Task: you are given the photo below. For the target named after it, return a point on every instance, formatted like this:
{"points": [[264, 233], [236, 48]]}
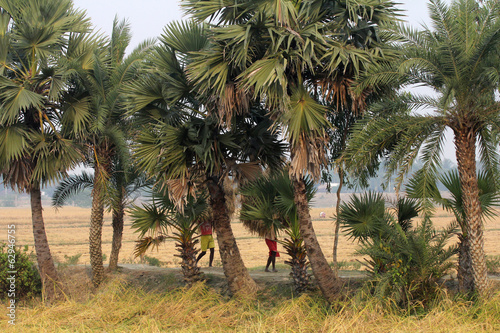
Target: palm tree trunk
{"points": [[189, 265], [46, 267], [96, 220], [239, 280], [116, 243], [337, 223], [465, 144], [465, 281], [298, 262], [325, 277]]}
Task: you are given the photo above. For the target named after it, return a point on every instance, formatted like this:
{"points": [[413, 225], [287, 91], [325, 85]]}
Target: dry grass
{"points": [[119, 307], [67, 231]]}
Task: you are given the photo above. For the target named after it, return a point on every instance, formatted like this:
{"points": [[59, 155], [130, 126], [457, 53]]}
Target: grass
{"points": [[159, 303], [349, 265], [121, 306], [493, 264], [282, 267]]}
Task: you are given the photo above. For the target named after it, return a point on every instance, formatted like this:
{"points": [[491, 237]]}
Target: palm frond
{"points": [[185, 37], [364, 216], [70, 186]]}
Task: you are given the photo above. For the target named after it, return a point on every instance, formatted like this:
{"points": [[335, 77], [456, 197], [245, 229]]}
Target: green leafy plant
{"points": [[152, 261], [489, 198], [406, 263], [72, 260], [408, 266], [26, 281], [162, 220]]}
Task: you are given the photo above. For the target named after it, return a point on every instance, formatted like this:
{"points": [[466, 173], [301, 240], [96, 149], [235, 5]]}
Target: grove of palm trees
{"points": [[239, 113]]}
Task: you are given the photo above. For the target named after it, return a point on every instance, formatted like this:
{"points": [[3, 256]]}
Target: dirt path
{"points": [[281, 275]]}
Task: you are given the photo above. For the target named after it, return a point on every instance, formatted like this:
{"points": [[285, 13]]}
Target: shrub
{"points": [[72, 260], [493, 264], [407, 266], [152, 261], [406, 263], [27, 279]]}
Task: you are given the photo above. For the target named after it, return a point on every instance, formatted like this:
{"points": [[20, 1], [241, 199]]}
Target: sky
{"points": [[148, 17]]}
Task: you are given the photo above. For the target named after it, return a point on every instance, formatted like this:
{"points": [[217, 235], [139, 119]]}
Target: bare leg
{"points": [[273, 260], [201, 255], [269, 260], [212, 251]]}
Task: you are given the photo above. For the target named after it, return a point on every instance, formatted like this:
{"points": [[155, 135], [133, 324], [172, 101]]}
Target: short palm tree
{"points": [[270, 204], [161, 220], [406, 262], [35, 39], [489, 197], [458, 58], [99, 123]]}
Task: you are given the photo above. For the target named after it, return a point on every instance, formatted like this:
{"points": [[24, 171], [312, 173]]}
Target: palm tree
{"points": [[270, 204], [154, 220], [489, 197], [458, 59], [405, 262], [287, 54], [195, 154], [123, 184], [189, 147], [100, 125], [35, 38]]}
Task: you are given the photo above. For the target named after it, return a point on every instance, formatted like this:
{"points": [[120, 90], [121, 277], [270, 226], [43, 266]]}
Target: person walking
{"points": [[272, 244], [207, 242]]}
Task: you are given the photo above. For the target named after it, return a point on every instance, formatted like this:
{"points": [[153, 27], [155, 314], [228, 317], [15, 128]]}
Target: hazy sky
{"points": [[148, 17]]}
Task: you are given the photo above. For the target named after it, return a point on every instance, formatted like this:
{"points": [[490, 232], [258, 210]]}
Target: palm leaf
{"points": [[71, 186]]}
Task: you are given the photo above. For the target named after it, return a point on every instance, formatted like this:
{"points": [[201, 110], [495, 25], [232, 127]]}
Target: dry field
{"points": [[67, 231]]}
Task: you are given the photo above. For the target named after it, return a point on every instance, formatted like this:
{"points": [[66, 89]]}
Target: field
{"points": [[67, 231], [150, 299]]}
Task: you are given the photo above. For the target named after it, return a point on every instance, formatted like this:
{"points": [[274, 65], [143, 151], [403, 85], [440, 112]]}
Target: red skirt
{"points": [[273, 246]]}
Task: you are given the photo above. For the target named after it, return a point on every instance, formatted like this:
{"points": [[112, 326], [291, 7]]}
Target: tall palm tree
{"points": [[123, 185], [287, 54], [35, 38], [189, 147], [99, 121], [458, 58]]}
